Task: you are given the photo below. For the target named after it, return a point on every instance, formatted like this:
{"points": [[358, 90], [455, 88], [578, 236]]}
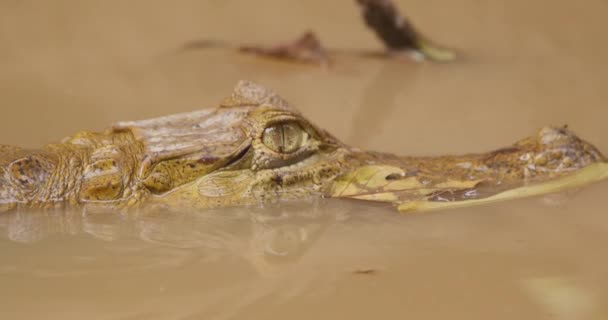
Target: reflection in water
{"points": [[231, 263], [265, 236], [143, 247]]}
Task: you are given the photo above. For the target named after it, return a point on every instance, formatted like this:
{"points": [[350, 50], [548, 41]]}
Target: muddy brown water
{"points": [[72, 65]]}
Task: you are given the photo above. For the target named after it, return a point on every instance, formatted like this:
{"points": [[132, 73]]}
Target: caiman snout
{"points": [[415, 182]]}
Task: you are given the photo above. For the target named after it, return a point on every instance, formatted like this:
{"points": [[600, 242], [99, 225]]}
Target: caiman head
{"points": [[255, 148]]}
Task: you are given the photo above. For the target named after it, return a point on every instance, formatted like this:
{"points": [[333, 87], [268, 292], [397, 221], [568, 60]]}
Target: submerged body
{"points": [[255, 148]]}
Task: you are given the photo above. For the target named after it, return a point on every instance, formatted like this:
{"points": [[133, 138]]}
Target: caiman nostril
{"points": [[394, 176]]}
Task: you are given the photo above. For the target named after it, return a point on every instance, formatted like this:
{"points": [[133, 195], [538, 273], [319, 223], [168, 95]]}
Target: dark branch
{"points": [[396, 32]]}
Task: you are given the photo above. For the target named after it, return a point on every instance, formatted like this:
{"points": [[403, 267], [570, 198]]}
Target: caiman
{"points": [[256, 148]]}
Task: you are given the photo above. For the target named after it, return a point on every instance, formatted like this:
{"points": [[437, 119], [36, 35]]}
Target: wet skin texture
{"points": [[256, 148]]}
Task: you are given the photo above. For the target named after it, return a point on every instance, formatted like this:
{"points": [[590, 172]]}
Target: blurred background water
{"points": [[72, 65]]}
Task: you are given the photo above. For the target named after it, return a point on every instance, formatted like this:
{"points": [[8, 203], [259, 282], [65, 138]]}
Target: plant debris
{"points": [[394, 30], [365, 271], [397, 33], [307, 48]]}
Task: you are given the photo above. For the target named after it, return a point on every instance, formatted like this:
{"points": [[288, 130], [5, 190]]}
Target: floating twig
{"points": [[397, 33], [306, 49]]}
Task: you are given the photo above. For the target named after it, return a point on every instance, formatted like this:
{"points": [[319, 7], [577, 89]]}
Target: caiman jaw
{"points": [[556, 158]]}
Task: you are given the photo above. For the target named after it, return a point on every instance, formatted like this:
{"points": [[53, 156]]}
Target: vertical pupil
{"points": [[283, 138], [292, 137], [280, 136]]}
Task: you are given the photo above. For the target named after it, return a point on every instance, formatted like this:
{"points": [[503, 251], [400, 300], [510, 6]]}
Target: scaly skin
{"points": [[230, 157]]}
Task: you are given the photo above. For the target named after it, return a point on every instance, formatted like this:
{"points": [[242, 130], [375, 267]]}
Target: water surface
{"points": [[71, 65]]}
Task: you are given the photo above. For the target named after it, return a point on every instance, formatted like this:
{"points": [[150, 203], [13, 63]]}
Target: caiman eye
{"points": [[286, 137]]}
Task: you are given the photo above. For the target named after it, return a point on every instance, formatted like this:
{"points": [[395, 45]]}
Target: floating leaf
{"points": [[436, 53], [374, 183]]}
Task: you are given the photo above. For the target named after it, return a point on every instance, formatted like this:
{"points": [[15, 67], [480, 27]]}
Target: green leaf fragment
{"points": [[434, 52]]}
